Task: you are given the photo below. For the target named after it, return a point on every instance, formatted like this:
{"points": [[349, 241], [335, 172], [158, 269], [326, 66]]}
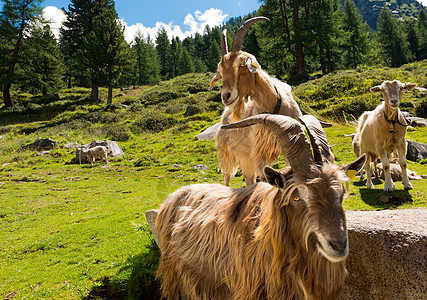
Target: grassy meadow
{"points": [[69, 231]]}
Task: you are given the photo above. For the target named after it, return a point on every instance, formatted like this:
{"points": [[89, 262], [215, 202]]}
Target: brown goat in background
{"points": [[284, 239]]}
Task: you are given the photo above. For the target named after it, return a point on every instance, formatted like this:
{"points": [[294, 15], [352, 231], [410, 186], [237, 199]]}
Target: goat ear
{"points": [[409, 86], [375, 89], [253, 65], [352, 168], [214, 80], [274, 177]]}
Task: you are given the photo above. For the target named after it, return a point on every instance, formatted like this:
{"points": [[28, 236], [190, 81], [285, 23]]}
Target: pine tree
{"points": [[78, 32], [151, 63], [199, 47], [393, 38], [76, 26], [15, 19], [147, 60], [214, 57], [289, 31], [185, 64], [163, 48], [176, 53], [43, 67], [356, 33], [410, 29], [251, 44], [326, 22], [112, 51], [421, 30]]}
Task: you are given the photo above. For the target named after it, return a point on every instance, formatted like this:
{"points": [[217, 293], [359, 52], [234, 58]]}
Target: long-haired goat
{"points": [[246, 91], [383, 130], [281, 239]]}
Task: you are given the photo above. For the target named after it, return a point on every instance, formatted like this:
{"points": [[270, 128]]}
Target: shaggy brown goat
{"points": [[284, 239], [246, 91]]}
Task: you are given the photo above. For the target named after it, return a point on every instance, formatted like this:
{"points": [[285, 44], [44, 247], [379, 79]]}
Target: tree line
{"points": [[302, 37]]}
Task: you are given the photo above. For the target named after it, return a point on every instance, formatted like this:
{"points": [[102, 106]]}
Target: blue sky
{"points": [[180, 18], [148, 12]]}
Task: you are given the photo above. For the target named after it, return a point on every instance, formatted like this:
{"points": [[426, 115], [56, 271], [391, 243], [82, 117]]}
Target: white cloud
{"points": [[193, 23], [55, 16], [197, 23]]}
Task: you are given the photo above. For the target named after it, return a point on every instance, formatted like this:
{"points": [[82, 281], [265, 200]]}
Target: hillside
{"points": [[70, 231], [404, 9]]}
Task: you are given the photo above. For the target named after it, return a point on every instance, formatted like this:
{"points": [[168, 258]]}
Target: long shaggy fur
{"points": [[255, 242], [254, 147]]}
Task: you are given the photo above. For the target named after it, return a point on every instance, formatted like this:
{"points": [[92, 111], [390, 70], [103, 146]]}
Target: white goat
{"points": [[383, 130], [247, 90], [284, 239], [98, 152]]}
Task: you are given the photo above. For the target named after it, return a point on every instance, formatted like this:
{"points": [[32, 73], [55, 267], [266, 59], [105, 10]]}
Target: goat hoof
{"points": [[388, 189], [408, 188]]}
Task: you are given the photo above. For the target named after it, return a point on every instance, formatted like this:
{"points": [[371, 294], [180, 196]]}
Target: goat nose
{"points": [[338, 245], [226, 96]]}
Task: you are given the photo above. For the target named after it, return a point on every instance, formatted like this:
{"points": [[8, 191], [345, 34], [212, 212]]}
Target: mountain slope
{"points": [[404, 9]]}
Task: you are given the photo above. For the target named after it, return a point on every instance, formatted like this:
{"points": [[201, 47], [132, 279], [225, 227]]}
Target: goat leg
{"points": [[402, 162], [388, 184], [369, 183]]}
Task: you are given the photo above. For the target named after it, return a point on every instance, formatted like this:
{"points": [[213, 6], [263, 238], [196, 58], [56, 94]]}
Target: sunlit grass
{"points": [[69, 231]]}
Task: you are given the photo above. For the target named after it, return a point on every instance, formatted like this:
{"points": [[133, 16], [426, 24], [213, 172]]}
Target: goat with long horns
{"points": [[281, 239], [247, 90]]}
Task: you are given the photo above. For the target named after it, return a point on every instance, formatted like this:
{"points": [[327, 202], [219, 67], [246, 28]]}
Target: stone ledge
{"points": [[387, 257]]}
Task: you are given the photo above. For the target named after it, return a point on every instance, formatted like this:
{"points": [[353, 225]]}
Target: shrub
{"points": [[116, 132], [421, 108], [102, 117], [153, 122], [147, 160]]}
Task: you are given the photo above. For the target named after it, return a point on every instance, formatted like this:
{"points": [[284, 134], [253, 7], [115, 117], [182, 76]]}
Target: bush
{"points": [[421, 108], [153, 122], [116, 132], [146, 161], [102, 117], [358, 105]]}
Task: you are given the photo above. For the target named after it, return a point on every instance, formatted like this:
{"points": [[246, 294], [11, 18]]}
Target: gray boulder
{"points": [[200, 167], [175, 168], [71, 146], [416, 151], [209, 133], [43, 144], [151, 216], [417, 122], [114, 149], [387, 254]]}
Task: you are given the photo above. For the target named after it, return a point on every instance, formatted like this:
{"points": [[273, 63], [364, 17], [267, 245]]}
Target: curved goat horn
{"points": [[321, 149], [290, 134], [241, 32], [224, 46]]}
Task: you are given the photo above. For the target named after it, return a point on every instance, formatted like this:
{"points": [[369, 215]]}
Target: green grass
{"points": [[73, 232]]}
